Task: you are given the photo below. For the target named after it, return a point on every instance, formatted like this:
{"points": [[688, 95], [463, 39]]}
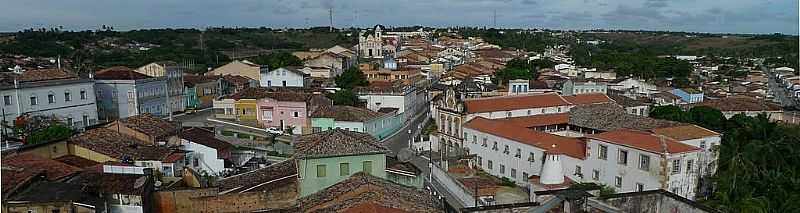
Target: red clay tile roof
{"points": [[54, 169], [204, 137], [538, 120], [13, 178], [740, 103], [569, 146], [45, 75], [686, 132], [260, 92], [248, 180], [345, 113], [363, 188], [514, 102], [237, 79], [76, 161], [150, 125], [174, 157], [373, 207], [119, 73], [643, 140], [118, 146], [587, 98], [337, 142]]}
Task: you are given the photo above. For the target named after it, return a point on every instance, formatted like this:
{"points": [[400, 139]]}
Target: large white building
{"points": [[673, 158], [283, 77], [174, 75], [48, 92]]}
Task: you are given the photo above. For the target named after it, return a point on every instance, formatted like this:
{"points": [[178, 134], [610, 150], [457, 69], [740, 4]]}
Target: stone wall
{"points": [[179, 200], [279, 198]]}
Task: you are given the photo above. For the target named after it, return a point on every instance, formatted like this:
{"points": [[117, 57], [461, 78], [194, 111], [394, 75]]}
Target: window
{"points": [[480, 161], [7, 100], [33, 101], [513, 173], [639, 187], [618, 181], [51, 98], [519, 153], [603, 152], [83, 94], [489, 164], [595, 175], [508, 114], [502, 169], [525, 175], [484, 142], [689, 164], [266, 115], [623, 157], [67, 96], [344, 169], [296, 114], [321, 170], [703, 145], [494, 147], [529, 112], [505, 149], [578, 170], [676, 166], [531, 157], [69, 121], [474, 139], [644, 162], [559, 109], [542, 110], [367, 167]]}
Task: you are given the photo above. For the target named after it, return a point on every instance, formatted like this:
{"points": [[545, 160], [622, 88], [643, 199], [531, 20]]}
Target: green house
{"points": [[328, 157], [378, 124]]}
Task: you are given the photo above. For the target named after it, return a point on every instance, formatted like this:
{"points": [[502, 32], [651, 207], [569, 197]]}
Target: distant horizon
{"points": [[99, 27], [729, 17]]}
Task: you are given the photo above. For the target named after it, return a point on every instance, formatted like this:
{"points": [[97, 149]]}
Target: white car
{"points": [[273, 130]]}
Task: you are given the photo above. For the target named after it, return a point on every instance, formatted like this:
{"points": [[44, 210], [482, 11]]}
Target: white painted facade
{"points": [[203, 157], [639, 86], [73, 101], [514, 160], [517, 162], [282, 77], [520, 112]]}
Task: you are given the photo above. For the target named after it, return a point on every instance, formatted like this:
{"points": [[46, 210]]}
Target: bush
{"points": [[52, 133], [507, 182]]}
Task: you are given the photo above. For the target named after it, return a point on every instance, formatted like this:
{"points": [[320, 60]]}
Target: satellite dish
{"points": [[404, 155], [139, 182], [157, 183]]}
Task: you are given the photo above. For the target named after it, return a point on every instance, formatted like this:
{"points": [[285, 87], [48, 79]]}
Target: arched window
{"points": [[51, 97], [67, 95]]}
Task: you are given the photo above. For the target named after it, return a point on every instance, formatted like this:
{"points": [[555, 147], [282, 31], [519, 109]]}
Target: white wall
{"points": [[207, 157], [276, 77], [375, 102], [350, 125], [519, 112], [76, 108]]}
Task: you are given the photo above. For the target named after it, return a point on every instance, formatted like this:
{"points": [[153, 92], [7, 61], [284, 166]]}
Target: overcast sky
{"points": [[735, 16]]}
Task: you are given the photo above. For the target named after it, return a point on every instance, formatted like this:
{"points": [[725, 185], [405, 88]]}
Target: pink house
{"points": [[282, 110]]}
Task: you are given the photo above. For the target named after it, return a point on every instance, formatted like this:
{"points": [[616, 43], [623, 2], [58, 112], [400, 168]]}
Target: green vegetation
{"points": [[757, 167], [504, 181], [527, 41], [344, 97], [55, 132], [628, 58], [351, 78], [518, 69], [91, 50], [278, 59]]}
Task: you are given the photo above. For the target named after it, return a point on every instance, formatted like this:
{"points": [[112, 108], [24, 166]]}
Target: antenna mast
{"points": [[330, 18]]}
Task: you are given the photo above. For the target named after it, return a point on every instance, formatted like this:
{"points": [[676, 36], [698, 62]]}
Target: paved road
{"points": [[779, 92]]}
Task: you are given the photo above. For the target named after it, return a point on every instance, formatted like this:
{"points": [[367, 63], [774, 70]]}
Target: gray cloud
{"points": [[748, 16]]}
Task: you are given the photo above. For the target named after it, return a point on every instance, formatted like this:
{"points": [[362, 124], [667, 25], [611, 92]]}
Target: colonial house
{"points": [[284, 77], [174, 75], [241, 68], [574, 87], [688, 95], [379, 124], [122, 92], [262, 107], [49, 92], [200, 91], [336, 64], [635, 85], [632, 106]]}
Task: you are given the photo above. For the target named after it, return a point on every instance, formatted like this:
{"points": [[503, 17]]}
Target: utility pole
{"points": [[494, 18]]}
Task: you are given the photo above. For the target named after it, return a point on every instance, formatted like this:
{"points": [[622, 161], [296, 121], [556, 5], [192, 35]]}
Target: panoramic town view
{"points": [[601, 106]]}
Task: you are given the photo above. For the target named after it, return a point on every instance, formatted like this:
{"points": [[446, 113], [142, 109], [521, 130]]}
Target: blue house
{"points": [[688, 95]]}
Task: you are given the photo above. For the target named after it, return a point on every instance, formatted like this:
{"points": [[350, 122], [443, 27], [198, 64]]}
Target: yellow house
{"points": [[242, 68], [246, 109], [50, 150]]}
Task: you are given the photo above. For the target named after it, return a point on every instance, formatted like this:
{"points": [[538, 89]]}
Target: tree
{"points": [[510, 73], [344, 97], [708, 117], [351, 78], [672, 113], [278, 59]]}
